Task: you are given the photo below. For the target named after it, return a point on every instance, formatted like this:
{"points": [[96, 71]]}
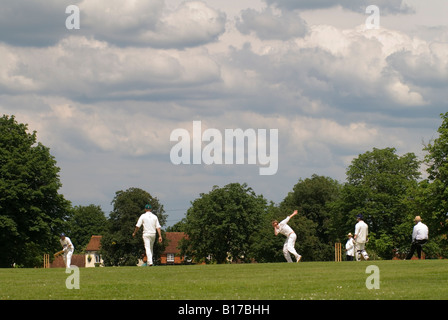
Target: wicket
{"points": [[46, 261], [337, 252]]}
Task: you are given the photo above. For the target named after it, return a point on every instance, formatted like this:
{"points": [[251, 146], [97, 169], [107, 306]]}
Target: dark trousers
{"points": [[416, 245]]}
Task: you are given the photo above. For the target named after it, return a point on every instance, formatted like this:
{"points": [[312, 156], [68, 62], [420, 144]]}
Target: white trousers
{"points": [[68, 258], [360, 249], [149, 240], [288, 247]]}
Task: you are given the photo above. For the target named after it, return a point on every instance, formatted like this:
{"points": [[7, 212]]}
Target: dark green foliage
{"points": [[118, 247], [84, 222], [431, 197], [312, 197], [379, 182], [221, 223], [32, 212]]}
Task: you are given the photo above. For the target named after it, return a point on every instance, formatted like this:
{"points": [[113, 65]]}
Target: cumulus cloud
{"points": [[353, 70], [427, 66], [149, 23], [269, 25], [424, 70], [32, 23], [75, 129], [329, 69], [386, 6], [84, 68], [140, 23]]}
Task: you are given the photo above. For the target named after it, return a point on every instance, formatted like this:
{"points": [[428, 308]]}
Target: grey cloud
{"points": [[386, 6], [32, 23], [425, 71], [81, 68], [309, 76], [268, 25], [318, 76], [150, 24], [428, 68], [141, 23]]}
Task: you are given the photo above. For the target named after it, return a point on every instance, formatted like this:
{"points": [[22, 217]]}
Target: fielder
{"points": [[361, 233], [291, 237], [67, 248], [419, 238], [150, 224]]}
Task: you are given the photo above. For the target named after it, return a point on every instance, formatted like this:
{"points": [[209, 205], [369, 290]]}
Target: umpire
{"points": [[419, 237]]}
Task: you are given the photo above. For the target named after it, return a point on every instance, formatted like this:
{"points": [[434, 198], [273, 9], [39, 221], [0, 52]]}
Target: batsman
{"points": [[361, 234], [67, 250]]}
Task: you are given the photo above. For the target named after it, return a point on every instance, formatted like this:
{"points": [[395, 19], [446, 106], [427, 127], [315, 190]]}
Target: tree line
{"points": [[229, 223]]}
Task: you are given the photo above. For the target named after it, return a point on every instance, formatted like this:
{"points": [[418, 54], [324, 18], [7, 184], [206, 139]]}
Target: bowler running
{"points": [[291, 237]]}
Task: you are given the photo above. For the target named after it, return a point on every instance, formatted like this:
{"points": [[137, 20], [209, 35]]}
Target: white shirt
{"points": [[150, 223], [349, 246], [283, 227], [361, 232], [67, 244], [420, 232]]}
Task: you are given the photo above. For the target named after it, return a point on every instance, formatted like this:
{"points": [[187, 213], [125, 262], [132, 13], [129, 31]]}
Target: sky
{"points": [[332, 80]]}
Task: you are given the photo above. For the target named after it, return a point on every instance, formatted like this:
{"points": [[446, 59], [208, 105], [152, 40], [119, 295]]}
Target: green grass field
{"points": [[399, 280]]}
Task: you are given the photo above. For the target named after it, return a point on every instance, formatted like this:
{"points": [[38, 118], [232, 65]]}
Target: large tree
{"points": [[221, 224], [313, 197], [117, 245], [432, 196], [378, 186], [32, 212], [266, 247], [84, 222]]}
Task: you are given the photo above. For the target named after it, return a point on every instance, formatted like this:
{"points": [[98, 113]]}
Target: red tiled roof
{"points": [[174, 238], [94, 243], [78, 260]]}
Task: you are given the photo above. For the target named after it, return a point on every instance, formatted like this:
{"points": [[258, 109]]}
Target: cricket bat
{"points": [[58, 253]]}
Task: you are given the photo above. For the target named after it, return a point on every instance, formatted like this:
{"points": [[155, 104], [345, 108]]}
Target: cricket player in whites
{"points": [[150, 224], [67, 249], [361, 233], [291, 237]]}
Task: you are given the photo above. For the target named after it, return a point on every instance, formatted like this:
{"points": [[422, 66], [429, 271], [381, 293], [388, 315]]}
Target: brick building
{"points": [[171, 255]]}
